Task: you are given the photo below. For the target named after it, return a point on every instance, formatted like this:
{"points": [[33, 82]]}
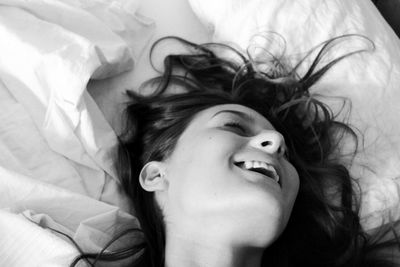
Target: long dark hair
{"points": [[324, 228]]}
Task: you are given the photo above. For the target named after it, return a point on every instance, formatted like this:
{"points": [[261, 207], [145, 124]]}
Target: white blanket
{"points": [[56, 148]]}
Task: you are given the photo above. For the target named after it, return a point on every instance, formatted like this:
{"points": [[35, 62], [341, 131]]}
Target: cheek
{"points": [[201, 175], [291, 188], [294, 181], [204, 153], [197, 179]]}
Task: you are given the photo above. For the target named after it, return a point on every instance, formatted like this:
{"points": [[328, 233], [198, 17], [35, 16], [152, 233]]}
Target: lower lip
{"points": [[258, 176]]}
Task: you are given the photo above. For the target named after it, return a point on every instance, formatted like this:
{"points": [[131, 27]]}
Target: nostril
{"points": [[266, 143]]}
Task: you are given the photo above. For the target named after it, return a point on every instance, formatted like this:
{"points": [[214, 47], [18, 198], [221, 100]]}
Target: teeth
{"points": [[248, 164], [261, 165]]}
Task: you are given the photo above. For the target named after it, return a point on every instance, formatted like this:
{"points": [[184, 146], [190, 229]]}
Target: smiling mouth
{"points": [[260, 167]]}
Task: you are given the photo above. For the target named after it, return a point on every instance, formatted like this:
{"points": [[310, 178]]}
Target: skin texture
{"points": [[217, 213]]}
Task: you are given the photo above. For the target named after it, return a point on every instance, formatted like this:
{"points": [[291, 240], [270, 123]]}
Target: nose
{"points": [[269, 141]]}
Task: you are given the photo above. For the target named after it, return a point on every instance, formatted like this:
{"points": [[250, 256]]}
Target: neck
{"points": [[183, 251]]}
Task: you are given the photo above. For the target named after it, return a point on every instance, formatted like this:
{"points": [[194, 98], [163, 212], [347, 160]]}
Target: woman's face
{"points": [[229, 175]]}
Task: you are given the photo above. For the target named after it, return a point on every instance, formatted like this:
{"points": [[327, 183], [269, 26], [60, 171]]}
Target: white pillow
{"points": [[371, 80]]}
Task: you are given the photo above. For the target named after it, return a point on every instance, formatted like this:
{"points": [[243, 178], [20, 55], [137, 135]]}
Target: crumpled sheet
{"points": [[31, 213], [56, 148], [55, 159]]}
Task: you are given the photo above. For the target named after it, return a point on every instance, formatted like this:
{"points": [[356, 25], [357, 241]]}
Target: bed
{"points": [[64, 66]]}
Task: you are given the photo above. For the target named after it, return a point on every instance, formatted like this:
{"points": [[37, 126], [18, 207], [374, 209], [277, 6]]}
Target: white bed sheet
{"points": [[56, 148], [30, 208]]}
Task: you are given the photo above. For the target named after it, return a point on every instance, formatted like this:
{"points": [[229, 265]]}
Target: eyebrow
{"points": [[241, 114]]}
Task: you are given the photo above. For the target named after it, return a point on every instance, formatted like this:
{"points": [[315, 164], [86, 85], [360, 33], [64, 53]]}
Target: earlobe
{"points": [[152, 177]]}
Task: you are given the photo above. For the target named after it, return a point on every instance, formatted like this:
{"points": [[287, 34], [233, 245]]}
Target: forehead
{"points": [[244, 112]]}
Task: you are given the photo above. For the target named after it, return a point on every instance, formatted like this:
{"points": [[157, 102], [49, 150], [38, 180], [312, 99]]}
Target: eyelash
{"points": [[237, 125]]}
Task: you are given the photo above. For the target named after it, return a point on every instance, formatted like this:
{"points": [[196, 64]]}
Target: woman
{"points": [[241, 168]]}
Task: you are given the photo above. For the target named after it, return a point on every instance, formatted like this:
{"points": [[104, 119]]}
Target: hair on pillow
{"points": [[370, 80]]}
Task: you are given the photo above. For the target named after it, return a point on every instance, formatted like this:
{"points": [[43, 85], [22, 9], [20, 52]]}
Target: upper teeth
{"points": [[261, 165]]}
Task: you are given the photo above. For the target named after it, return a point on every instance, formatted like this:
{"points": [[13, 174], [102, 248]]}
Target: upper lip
{"points": [[269, 162]]}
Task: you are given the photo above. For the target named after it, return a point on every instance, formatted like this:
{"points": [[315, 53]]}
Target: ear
{"points": [[152, 177]]}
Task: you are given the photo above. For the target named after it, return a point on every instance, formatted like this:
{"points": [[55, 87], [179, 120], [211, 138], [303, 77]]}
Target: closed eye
{"points": [[236, 126]]}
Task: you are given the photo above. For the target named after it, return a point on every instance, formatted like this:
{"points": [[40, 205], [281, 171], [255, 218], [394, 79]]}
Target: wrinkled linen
{"points": [[56, 148]]}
